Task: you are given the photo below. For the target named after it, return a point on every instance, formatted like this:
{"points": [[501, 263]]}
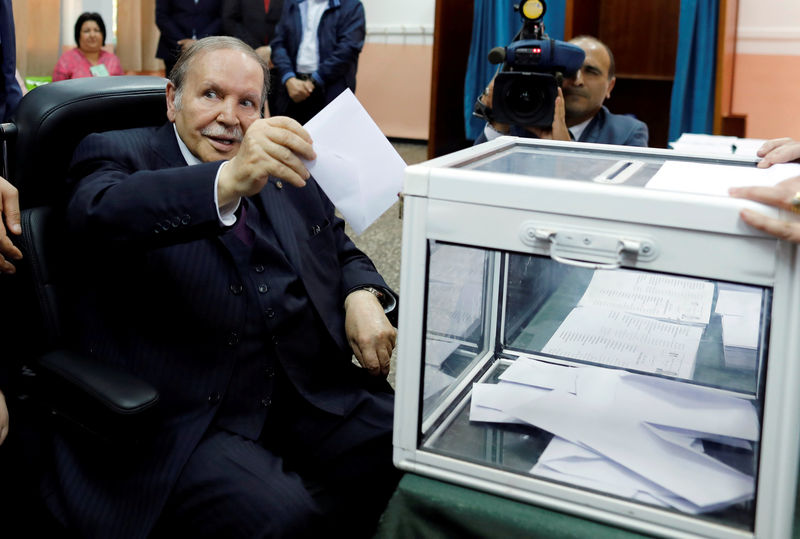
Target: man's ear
{"points": [[171, 101], [610, 87]]}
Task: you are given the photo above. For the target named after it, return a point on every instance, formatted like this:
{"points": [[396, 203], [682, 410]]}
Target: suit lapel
{"points": [[281, 214], [275, 206], [165, 146], [592, 131]]}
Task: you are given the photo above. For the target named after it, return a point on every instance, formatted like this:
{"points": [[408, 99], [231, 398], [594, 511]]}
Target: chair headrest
{"points": [[52, 119]]}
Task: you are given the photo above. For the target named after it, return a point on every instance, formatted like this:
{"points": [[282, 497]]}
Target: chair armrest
{"points": [[96, 396]]}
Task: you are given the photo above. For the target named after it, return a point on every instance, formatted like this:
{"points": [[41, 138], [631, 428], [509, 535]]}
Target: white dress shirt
{"points": [[308, 52], [226, 214]]}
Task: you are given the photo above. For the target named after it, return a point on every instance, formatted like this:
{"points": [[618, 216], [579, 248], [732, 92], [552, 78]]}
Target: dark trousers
{"points": [[309, 472]]}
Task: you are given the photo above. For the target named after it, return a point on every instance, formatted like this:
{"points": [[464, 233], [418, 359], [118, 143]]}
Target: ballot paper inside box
{"points": [[573, 338]]}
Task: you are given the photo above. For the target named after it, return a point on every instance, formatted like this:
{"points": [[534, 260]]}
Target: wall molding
{"points": [[400, 34], [771, 40]]}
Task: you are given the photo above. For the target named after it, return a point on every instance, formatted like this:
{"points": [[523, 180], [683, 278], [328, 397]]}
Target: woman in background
{"points": [[88, 59]]}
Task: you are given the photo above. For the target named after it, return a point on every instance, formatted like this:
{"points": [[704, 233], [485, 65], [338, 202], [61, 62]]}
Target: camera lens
{"points": [[524, 98]]}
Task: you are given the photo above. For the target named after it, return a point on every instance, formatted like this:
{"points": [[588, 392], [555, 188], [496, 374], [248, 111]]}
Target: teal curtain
{"points": [[692, 105], [494, 24]]}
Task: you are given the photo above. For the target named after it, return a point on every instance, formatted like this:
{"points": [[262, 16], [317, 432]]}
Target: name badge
{"points": [[99, 70]]}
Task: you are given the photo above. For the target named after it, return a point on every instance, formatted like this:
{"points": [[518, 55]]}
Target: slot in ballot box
{"points": [[574, 340]]}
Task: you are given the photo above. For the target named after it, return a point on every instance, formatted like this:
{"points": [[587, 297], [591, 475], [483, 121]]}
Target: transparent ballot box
{"points": [[573, 338]]}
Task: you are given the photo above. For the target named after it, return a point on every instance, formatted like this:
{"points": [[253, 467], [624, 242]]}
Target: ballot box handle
{"points": [[588, 249]]}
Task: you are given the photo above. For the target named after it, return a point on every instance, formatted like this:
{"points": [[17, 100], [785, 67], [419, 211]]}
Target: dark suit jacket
{"points": [[247, 20], [605, 128], [340, 37], [161, 294], [181, 19], [608, 128], [10, 92]]}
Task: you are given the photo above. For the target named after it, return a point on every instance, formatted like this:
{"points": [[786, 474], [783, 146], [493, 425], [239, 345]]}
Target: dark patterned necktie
{"points": [[242, 231]]}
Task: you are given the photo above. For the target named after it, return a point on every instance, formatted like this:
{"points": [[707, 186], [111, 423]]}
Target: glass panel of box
{"points": [[635, 384]]}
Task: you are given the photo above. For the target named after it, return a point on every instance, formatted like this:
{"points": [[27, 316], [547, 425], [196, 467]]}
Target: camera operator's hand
{"points": [[559, 130], [486, 98]]}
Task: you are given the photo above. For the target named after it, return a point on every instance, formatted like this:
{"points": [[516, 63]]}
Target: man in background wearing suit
{"points": [[230, 285], [10, 91], [181, 23], [254, 21], [315, 50], [579, 113]]}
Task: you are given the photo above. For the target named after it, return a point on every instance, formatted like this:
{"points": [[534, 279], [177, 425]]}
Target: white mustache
{"points": [[217, 131]]}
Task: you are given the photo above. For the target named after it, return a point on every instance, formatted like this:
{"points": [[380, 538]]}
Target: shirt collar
{"points": [[577, 130], [188, 156]]}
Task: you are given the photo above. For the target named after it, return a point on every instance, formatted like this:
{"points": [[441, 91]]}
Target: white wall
{"points": [[769, 27], [408, 22]]}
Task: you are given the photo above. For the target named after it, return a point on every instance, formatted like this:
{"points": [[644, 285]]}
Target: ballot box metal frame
{"points": [[445, 200]]}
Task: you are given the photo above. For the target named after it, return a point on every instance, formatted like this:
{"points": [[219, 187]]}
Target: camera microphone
{"points": [[497, 55]]}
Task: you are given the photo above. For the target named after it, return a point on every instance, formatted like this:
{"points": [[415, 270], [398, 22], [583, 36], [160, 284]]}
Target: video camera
{"points": [[533, 69]]}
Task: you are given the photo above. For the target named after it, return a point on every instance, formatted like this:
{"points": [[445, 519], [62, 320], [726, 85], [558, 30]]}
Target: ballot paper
{"points": [[702, 144], [540, 374], [356, 165], [455, 289], [628, 434], [741, 317], [570, 463], [489, 400], [621, 437], [616, 338], [710, 179], [740, 309], [679, 299], [686, 409]]}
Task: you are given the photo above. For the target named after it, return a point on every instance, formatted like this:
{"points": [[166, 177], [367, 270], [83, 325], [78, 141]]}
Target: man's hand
{"points": [[299, 90], [780, 196], [9, 206], [3, 418], [270, 147], [265, 52], [779, 150], [369, 332], [186, 43], [558, 130], [487, 99]]}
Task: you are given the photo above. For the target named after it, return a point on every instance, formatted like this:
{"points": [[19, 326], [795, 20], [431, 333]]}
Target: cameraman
{"points": [[579, 111]]}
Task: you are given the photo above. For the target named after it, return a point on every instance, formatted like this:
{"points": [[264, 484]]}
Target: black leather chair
{"points": [[48, 385]]}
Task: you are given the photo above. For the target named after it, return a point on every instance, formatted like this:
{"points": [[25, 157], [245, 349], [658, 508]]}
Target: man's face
{"points": [[220, 99], [584, 94]]}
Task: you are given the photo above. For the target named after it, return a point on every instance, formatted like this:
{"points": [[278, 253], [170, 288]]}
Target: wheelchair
{"points": [[47, 385]]}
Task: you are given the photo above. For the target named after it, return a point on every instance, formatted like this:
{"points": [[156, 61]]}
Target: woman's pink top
{"points": [[74, 65]]}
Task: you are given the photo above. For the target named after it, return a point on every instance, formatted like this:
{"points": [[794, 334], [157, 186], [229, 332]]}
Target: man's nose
{"points": [[227, 112]]}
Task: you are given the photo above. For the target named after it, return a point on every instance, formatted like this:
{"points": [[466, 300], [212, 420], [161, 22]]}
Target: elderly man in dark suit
{"points": [[228, 284], [181, 23], [579, 113]]}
